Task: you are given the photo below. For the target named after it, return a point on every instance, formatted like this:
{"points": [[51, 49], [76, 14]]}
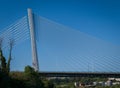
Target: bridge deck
{"points": [[80, 74]]}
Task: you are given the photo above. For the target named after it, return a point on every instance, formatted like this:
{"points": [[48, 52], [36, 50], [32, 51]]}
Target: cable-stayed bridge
{"points": [[59, 50]]}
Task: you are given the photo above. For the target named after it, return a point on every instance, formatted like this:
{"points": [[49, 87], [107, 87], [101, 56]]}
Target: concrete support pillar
{"points": [[33, 40]]}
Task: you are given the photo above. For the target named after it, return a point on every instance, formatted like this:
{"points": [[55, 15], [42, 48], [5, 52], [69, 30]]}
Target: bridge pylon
{"points": [[33, 40]]}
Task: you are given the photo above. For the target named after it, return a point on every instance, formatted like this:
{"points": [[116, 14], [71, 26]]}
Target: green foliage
{"points": [[32, 78], [29, 72], [3, 62], [49, 84], [114, 86], [28, 79], [5, 66]]}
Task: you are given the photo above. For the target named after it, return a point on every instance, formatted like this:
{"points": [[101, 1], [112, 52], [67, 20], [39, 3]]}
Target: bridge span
{"points": [[80, 74]]}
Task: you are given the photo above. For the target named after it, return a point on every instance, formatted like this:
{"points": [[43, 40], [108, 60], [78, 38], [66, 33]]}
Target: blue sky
{"points": [[99, 18]]}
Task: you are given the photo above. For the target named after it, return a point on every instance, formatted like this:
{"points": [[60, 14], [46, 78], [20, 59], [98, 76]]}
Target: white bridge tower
{"points": [[33, 40]]}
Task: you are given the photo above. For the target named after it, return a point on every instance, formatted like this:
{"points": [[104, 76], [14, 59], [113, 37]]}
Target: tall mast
{"points": [[33, 40]]}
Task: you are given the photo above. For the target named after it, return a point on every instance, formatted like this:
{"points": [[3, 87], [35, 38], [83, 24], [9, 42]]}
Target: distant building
{"points": [[76, 84], [117, 79], [109, 83]]}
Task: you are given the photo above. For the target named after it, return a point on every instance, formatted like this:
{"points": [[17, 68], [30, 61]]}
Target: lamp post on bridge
{"points": [[33, 40]]}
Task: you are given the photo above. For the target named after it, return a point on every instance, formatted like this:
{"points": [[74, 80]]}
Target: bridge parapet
{"points": [[80, 74]]}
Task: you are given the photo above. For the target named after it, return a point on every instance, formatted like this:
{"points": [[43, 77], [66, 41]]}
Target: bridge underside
{"points": [[79, 74]]}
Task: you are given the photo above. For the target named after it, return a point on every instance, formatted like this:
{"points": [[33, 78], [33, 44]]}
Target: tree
{"points": [[0, 54], [29, 72], [2, 58], [5, 67], [3, 62], [11, 43], [33, 79]]}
